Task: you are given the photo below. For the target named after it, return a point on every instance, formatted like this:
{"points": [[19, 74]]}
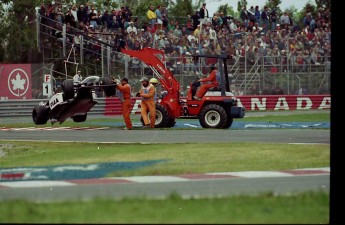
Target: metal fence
{"points": [[17, 108]]}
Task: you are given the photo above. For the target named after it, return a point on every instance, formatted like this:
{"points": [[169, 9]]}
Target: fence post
{"points": [[64, 40], [102, 59], [126, 65], [108, 60]]}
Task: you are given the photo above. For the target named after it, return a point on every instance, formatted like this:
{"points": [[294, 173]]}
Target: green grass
{"points": [[182, 158], [303, 117], [266, 208], [302, 208]]}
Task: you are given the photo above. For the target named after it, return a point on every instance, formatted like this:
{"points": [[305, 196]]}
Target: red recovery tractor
{"points": [[216, 109]]}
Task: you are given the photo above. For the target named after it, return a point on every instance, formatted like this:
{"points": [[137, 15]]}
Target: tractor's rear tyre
{"points": [[108, 90], [79, 118], [68, 88], [213, 116], [40, 114]]}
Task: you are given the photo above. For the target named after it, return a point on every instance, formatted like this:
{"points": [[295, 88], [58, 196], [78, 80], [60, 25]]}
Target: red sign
{"points": [[15, 81], [284, 102], [47, 78]]}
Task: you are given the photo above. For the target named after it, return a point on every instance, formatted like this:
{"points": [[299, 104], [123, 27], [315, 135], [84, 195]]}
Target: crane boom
{"points": [[155, 59]]}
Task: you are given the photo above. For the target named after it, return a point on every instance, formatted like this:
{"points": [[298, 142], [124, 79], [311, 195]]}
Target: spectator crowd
{"points": [[264, 35]]}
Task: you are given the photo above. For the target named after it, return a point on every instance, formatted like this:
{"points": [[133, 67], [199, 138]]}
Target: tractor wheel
{"points": [[171, 122], [108, 90], [162, 117], [68, 89], [213, 116], [40, 114], [229, 122], [79, 118], [142, 121]]}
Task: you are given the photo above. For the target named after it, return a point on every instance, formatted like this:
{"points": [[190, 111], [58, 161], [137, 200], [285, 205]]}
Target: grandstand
{"points": [[261, 60]]}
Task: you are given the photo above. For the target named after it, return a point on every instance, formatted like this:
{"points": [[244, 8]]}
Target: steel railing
{"points": [[16, 108]]}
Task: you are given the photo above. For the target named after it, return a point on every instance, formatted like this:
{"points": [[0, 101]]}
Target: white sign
{"points": [[55, 100], [47, 78], [47, 89], [18, 82]]}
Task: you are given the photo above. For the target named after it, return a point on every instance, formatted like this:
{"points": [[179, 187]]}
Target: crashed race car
{"points": [[74, 101]]}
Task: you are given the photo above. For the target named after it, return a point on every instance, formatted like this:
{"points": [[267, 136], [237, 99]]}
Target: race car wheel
{"points": [[40, 114], [68, 88], [110, 90], [213, 116], [79, 118]]}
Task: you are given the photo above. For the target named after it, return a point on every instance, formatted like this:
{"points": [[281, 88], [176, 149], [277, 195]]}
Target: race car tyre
{"points": [[213, 116], [40, 114], [79, 118], [68, 89], [110, 90]]}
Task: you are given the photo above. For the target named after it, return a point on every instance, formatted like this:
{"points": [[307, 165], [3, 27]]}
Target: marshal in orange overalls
{"points": [[211, 82], [148, 104], [125, 98]]}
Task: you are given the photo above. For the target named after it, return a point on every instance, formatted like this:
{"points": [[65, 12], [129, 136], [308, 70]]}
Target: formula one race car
{"points": [[74, 101]]}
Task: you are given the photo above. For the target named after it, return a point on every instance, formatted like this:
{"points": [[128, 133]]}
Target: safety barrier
{"points": [[105, 106], [112, 106]]}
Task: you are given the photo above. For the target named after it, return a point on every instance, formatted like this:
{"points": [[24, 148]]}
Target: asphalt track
{"points": [[294, 136], [275, 134], [161, 188]]}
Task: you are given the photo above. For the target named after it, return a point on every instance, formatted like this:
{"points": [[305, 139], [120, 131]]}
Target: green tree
{"points": [[2, 32], [308, 8], [18, 31], [323, 4], [240, 4], [274, 4], [227, 10], [198, 4], [141, 9], [182, 8], [105, 4]]}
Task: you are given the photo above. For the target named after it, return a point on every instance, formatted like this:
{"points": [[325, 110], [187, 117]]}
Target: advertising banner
{"points": [[15, 81]]}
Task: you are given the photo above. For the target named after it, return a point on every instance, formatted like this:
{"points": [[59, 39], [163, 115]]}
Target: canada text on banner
{"points": [[284, 102]]}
